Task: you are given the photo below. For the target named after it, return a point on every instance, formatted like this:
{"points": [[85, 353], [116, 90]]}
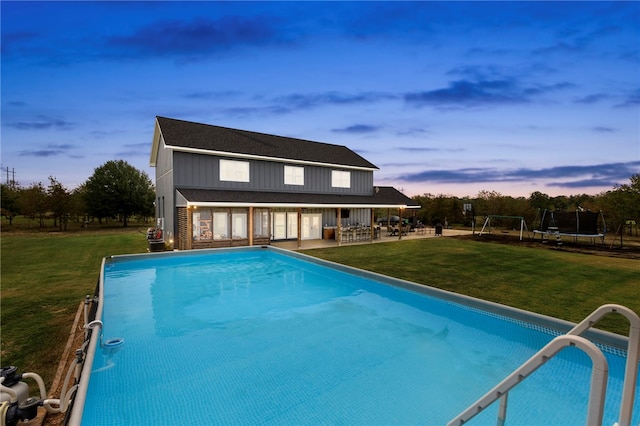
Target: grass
{"points": [[559, 284], [45, 276]]}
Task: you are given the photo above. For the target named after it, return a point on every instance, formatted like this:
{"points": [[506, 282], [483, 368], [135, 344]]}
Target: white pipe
{"points": [[3, 411], [47, 402], [39, 381], [63, 401]]}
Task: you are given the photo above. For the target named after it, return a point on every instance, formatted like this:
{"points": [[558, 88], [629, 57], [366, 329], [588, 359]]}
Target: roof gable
{"points": [[187, 135]]}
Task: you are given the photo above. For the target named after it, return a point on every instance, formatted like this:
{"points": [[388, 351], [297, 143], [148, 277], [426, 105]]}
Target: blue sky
{"points": [[444, 97]]}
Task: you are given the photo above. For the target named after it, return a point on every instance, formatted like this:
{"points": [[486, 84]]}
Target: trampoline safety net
{"points": [[585, 223]]}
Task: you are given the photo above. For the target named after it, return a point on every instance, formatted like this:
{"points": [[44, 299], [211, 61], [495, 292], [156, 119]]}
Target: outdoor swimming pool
{"points": [[257, 336]]}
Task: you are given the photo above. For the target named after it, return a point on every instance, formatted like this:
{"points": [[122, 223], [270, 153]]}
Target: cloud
{"points": [[609, 174], [313, 100], [295, 102], [415, 149], [358, 129], [41, 123], [585, 183], [604, 129], [200, 36], [52, 150], [209, 95], [592, 99], [15, 42], [134, 149], [470, 93], [412, 131], [632, 100]]}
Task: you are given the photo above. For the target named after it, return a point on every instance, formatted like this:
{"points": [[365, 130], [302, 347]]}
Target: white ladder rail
{"points": [[599, 377], [633, 353], [596, 397]]}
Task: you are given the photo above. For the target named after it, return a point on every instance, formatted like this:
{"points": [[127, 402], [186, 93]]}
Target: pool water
{"points": [[259, 337]]}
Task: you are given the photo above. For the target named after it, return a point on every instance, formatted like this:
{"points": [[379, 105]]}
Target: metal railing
{"points": [[599, 373]]}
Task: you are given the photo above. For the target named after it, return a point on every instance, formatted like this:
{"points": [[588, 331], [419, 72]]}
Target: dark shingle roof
{"points": [[186, 134], [386, 196]]}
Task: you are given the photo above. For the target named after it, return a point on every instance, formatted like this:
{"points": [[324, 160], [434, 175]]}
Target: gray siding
{"points": [[165, 195], [202, 171]]}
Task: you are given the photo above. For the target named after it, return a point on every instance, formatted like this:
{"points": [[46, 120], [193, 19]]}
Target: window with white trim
{"points": [[220, 225], [234, 171], [340, 179], [239, 223], [293, 175]]}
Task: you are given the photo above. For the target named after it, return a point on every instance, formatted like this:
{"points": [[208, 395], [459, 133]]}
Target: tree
{"points": [[9, 202], [33, 202], [59, 200], [117, 188], [623, 202], [540, 201]]}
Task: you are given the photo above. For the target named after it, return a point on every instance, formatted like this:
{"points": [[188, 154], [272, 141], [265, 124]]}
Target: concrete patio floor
{"points": [[321, 243]]}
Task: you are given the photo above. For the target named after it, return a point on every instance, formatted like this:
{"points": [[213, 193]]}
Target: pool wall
{"points": [[606, 340]]}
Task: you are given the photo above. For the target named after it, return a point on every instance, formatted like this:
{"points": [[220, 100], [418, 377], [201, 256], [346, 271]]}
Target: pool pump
{"points": [[16, 406]]}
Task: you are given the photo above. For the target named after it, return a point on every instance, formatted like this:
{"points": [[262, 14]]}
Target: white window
{"points": [[202, 225], [221, 225], [340, 179], [293, 175], [239, 224], [234, 171], [261, 223]]}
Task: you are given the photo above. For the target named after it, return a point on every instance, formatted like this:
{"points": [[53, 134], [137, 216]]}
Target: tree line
{"points": [[118, 190], [115, 190], [618, 205]]}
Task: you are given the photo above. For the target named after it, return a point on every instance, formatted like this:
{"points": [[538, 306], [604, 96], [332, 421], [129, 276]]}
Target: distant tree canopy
{"points": [[59, 202], [33, 202], [618, 205], [118, 189], [623, 202], [9, 201]]}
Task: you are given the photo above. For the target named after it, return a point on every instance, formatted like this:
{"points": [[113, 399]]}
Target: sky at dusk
{"points": [[443, 97]]}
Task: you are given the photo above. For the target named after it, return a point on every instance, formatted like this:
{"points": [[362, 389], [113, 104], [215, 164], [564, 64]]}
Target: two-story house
{"points": [[218, 187]]}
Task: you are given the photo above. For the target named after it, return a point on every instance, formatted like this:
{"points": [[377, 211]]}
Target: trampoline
{"points": [[581, 223]]}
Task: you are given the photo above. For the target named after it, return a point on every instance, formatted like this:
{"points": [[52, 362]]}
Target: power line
{"points": [[11, 182]]}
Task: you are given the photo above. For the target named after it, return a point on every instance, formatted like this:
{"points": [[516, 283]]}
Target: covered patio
{"points": [[215, 218]]}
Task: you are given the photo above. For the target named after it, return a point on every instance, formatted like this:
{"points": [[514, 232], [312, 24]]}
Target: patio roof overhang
{"points": [[383, 197]]}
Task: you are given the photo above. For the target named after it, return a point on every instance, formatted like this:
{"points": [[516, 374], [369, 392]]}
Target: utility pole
{"points": [[12, 182]]}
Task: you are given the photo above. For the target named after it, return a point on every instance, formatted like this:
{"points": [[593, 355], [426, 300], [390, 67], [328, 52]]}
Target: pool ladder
{"points": [[599, 372]]}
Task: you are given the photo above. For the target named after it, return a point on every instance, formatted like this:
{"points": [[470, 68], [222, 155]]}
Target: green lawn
{"points": [[45, 276], [559, 284]]}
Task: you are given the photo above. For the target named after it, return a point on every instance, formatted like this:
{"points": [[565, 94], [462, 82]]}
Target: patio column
{"points": [[339, 226], [250, 226], [299, 227], [189, 232], [371, 225]]}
